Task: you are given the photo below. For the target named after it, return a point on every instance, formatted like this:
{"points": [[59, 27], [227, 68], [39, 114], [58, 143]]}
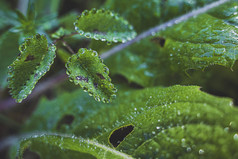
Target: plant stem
{"points": [[163, 27], [41, 87], [68, 47]]}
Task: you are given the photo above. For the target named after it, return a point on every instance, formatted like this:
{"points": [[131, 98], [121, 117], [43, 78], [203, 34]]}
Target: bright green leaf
{"points": [[87, 70], [68, 147], [36, 57], [104, 25]]}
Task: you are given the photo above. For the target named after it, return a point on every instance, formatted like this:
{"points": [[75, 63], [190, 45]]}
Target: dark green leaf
{"points": [[104, 25], [200, 42], [87, 70], [34, 60], [67, 147], [178, 120]]}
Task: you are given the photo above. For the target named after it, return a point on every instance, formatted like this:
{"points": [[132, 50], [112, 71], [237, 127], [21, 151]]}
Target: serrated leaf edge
{"points": [[36, 74], [99, 37], [106, 70]]}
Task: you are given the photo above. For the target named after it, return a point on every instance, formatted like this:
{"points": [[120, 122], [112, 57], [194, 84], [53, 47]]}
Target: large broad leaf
{"points": [[104, 25], [8, 52], [34, 60], [186, 121], [200, 42], [87, 70], [67, 147], [205, 40]]}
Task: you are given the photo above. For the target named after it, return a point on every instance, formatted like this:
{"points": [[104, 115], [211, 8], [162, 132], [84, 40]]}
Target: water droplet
{"points": [[235, 137], [201, 152], [188, 149], [109, 43], [87, 35], [115, 40], [123, 40], [81, 32], [94, 53]]}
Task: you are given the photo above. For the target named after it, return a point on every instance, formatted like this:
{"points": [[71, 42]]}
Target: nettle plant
{"points": [[154, 122]]}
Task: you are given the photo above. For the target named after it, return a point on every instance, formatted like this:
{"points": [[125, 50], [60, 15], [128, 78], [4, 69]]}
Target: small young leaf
{"points": [[104, 25], [67, 147], [87, 70], [33, 62]]}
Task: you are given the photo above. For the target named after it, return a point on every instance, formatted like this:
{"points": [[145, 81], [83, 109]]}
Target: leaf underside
{"points": [[33, 62], [104, 25], [87, 70]]}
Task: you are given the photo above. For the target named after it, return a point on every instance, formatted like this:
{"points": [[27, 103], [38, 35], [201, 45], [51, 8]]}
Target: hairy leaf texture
{"points": [[104, 25], [35, 58], [87, 70]]}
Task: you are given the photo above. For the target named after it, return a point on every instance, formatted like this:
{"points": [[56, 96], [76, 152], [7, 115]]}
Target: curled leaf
{"points": [[34, 60], [87, 70], [104, 25]]}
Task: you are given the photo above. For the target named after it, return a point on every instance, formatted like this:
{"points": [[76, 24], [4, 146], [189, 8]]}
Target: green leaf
{"points": [[87, 70], [104, 25], [8, 53], [146, 14], [35, 59], [173, 115], [196, 141], [157, 110], [65, 112], [141, 14], [67, 147], [200, 42], [142, 64]]}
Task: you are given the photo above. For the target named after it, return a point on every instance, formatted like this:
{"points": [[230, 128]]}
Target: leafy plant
{"points": [[152, 116]]}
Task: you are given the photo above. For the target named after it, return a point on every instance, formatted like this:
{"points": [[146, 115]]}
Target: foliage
{"points": [[104, 25], [34, 61], [152, 116], [177, 118]]}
